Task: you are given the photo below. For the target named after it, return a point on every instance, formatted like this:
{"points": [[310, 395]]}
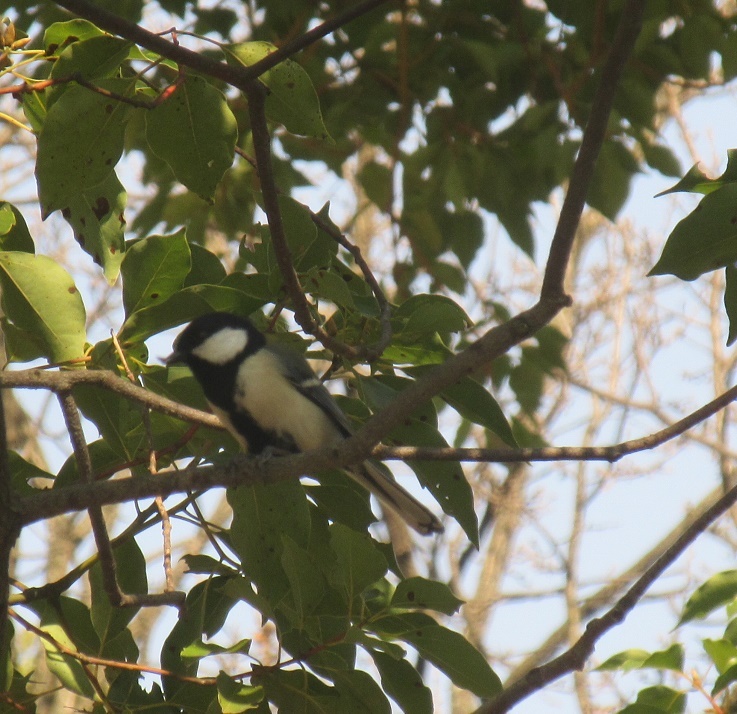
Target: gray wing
{"points": [[308, 384], [389, 492]]}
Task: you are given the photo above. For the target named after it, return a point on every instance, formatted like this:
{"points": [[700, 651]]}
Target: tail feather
{"points": [[392, 495]]}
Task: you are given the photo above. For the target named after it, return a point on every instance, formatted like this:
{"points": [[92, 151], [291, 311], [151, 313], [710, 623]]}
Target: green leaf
{"points": [[449, 651], [198, 650], [292, 100], [696, 181], [360, 563], [24, 472], [342, 499], [183, 306], [115, 417], [475, 403], [425, 594], [703, 241], [422, 314], [722, 653], [54, 621], [34, 108], [610, 184], [671, 658], [359, 693], [262, 517], [110, 621], [444, 479], [205, 565], [14, 234], [61, 34], [328, 285], [403, 683], [40, 297], [724, 679], [657, 700], [154, 269], [730, 302], [206, 609], [306, 583], [297, 691], [207, 268], [96, 217], [376, 181], [80, 143], [195, 132], [234, 697], [716, 592], [300, 231], [95, 57]]}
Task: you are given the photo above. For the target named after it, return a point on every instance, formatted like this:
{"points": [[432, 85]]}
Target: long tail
{"points": [[392, 495]]}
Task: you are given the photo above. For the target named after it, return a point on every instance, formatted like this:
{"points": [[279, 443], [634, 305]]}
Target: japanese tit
{"points": [[267, 396]]}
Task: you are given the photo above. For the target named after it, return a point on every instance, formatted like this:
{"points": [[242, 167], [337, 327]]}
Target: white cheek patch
{"points": [[222, 347]]}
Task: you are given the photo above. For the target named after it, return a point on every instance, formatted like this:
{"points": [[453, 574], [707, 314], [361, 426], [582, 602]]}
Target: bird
{"points": [[270, 400]]}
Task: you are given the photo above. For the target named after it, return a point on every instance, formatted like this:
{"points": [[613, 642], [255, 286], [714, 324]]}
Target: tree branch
{"points": [[10, 527], [630, 23], [575, 657]]}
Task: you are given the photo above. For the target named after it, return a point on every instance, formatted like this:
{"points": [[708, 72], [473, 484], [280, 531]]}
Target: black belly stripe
{"points": [[218, 384], [257, 438]]}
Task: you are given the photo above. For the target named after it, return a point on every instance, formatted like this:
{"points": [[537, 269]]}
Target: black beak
{"points": [[175, 357]]}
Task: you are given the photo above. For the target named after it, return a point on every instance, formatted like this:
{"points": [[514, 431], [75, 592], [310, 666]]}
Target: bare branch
{"points": [[574, 658], [583, 169]]}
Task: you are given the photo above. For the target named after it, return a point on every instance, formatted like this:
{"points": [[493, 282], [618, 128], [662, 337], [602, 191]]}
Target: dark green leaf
{"points": [[360, 563], [24, 473], [115, 417], [306, 583], [96, 217], [423, 594], [292, 100], [80, 143], [610, 185], [14, 233], [207, 606], [262, 517], [154, 269], [110, 621], [421, 314], [195, 132], [403, 683], [475, 403], [376, 181], [449, 651], [705, 240], [730, 302], [359, 693]]}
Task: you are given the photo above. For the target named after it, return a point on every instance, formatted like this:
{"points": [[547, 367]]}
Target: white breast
{"points": [[277, 406]]}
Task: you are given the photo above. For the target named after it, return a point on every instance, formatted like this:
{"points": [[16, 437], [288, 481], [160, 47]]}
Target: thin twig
{"points": [[10, 526], [97, 519], [152, 469], [101, 661]]}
